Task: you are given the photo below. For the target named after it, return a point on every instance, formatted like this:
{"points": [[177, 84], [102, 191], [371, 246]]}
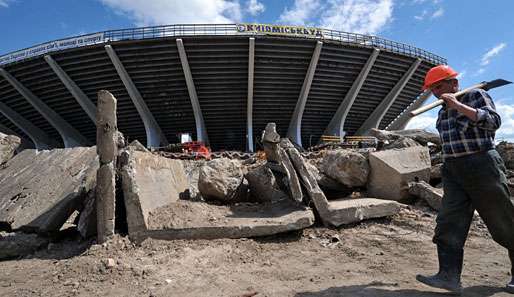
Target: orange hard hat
{"points": [[438, 73]]}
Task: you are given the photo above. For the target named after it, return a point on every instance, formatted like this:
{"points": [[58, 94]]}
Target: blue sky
{"points": [[477, 37]]}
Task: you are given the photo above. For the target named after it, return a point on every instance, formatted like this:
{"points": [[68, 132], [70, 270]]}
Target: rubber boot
{"points": [[510, 286], [450, 268]]}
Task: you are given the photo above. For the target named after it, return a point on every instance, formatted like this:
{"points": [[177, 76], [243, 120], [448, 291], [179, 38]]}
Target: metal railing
{"points": [[215, 30]]}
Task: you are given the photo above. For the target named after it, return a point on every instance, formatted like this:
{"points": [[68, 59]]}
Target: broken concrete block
{"points": [[8, 146], [332, 188], [356, 210], [347, 167], [330, 212], [150, 181], [419, 135], [198, 220], [279, 162], [222, 179], [137, 146], [40, 190], [392, 170], [263, 185], [433, 196], [19, 244]]}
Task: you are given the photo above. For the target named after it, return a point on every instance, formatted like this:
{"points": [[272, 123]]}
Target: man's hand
{"points": [[451, 101]]}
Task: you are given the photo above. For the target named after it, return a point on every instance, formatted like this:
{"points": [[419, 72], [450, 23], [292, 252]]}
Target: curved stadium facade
{"points": [[220, 83]]}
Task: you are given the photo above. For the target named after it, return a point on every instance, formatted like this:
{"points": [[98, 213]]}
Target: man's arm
{"points": [[481, 110]]}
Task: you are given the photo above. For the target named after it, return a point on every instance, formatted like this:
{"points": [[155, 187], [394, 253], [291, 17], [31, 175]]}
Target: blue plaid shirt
{"points": [[461, 136]]}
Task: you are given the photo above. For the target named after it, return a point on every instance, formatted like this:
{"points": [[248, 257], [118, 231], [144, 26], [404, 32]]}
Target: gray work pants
{"points": [[472, 182]]}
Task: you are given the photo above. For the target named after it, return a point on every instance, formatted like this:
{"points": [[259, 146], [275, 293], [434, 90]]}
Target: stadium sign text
{"points": [[279, 30], [51, 47]]}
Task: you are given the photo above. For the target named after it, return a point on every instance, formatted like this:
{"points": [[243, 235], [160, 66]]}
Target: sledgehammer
{"points": [[485, 85]]}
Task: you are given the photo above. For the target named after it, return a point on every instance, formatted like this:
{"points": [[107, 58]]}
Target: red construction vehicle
{"points": [[197, 150]]}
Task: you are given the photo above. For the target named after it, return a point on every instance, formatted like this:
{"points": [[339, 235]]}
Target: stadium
{"points": [[220, 83]]}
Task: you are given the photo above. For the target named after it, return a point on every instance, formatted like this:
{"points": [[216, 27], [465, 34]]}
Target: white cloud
{"points": [[5, 3], [162, 12], [506, 131], [423, 121], [363, 16], [301, 13], [486, 58], [359, 16], [438, 13], [254, 7], [421, 16], [462, 74], [480, 71]]}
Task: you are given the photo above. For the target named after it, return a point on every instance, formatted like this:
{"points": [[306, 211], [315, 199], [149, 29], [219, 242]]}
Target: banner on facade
{"points": [[52, 46], [280, 30]]}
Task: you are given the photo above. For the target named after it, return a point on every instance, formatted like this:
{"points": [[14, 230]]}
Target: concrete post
{"points": [[201, 132], [70, 136], [249, 105], [295, 126], [106, 146], [401, 122], [336, 125], [154, 135], [373, 121]]}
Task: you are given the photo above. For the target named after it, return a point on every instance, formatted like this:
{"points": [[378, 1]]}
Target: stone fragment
{"points": [[419, 135], [433, 196], [222, 179], [347, 167], [137, 146], [8, 146], [355, 210], [392, 170], [263, 185]]}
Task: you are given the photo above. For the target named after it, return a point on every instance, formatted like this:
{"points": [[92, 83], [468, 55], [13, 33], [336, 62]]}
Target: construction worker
{"points": [[473, 177]]}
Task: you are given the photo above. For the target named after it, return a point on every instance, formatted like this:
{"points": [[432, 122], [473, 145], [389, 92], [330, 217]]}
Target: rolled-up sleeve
{"points": [[487, 117]]}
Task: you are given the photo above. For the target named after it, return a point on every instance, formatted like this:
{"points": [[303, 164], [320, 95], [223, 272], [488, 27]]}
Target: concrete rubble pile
{"points": [[223, 198]]}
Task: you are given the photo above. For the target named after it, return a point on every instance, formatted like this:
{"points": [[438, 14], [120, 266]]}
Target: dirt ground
{"points": [[374, 258]]}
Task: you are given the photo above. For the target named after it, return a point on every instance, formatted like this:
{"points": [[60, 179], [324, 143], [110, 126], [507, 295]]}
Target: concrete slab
{"points": [[392, 170], [347, 211], [153, 186], [149, 182], [40, 190], [199, 220]]}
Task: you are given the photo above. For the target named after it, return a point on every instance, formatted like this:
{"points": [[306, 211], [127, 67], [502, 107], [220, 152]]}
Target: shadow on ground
{"points": [[376, 289]]}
